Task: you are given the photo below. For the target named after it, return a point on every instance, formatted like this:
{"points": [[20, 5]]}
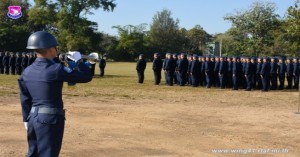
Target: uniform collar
{"points": [[44, 60]]}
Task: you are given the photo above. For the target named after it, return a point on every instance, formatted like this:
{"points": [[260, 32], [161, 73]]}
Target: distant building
{"points": [[213, 49]]}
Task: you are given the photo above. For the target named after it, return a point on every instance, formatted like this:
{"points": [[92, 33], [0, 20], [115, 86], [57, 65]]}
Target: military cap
{"points": [[174, 54], [195, 55], [156, 53], [141, 55]]}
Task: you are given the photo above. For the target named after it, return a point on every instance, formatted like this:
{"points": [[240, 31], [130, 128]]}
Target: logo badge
{"points": [[14, 12]]}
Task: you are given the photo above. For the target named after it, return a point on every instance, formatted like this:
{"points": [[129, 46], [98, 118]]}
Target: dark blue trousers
{"points": [[157, 77], [259, 81], [235, 82], [222, 80], [12, 70], [190, 79], [281, 81], [266, 83], [170, 77], [45, 134], [249, 82], [208, 80], [1, 69], [290, 81], [296, 81], [166, 77], [6, 70], [274, 83], [195, 80], [182, 78]]}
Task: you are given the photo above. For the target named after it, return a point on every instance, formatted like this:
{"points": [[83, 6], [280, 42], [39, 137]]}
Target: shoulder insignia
{"points": [[68, 70]]}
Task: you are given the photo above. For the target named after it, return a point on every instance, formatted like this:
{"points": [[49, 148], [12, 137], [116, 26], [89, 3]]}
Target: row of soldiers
{"points": [[15, 63], [227, 72]]}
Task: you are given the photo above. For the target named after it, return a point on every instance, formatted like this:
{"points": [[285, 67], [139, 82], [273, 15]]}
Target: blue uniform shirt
{"points": [[41, 84]]}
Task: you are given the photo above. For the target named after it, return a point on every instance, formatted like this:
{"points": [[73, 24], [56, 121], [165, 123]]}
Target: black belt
{"points": [[45, 110]]}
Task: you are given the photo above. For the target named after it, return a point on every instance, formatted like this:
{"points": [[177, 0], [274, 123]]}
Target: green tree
{"points": [[197, 38], [253, 27], [230, 47], [13, 32], [65, 19], [292, 27], [132, 40], [164, 33]]}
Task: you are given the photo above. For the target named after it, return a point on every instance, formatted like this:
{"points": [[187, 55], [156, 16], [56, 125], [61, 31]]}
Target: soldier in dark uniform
{"points": [[170, 69], [164, 67], [296, 73], [236, 70], [258, 77], [156, 67], [12, 63], [195, 71], [202, 75], [183, 69], [273, 73], [1, 63], [281, 73], [265, 74], [5, 63], [212, 76], [228, 79], [244, 81], [140, 68], [175, 58], [216, 71], [190, 60], [208, 72], [24, 61], [253, 80], [19, 63], [222, 72], [249, 72], [30, 58], [289, 73], [41, 96], [102, 65]]}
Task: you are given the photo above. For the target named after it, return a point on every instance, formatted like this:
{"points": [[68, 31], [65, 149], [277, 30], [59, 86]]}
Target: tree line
{"points": [[255, 31]]}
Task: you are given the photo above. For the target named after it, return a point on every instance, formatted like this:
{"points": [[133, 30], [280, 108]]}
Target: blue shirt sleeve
{"points": [[82, 75], [26, 99]]}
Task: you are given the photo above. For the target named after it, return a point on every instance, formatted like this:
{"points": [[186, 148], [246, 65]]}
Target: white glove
{"points": [[74, 55], [26, 125]]}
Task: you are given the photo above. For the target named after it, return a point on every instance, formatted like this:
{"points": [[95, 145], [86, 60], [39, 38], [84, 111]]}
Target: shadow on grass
{"points": [[110, 76]]}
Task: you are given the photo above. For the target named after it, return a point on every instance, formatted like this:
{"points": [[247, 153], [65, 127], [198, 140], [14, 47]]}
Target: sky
{"points": [[207, 13]]}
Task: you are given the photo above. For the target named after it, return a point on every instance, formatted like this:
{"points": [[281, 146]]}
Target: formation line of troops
{"points": [[15, 63], [248, 73]]}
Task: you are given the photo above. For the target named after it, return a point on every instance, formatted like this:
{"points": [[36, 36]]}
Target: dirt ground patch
{"points": [[194, 126]]}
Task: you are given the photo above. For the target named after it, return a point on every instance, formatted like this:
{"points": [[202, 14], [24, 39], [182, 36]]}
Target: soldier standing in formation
{"points": [[281, 73], [156, 67], [140, 68], [183, 69], [102, 65], [296, 73], [170, 69], [12, 63], [19, 64], [5, 63], [1, 63]]}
